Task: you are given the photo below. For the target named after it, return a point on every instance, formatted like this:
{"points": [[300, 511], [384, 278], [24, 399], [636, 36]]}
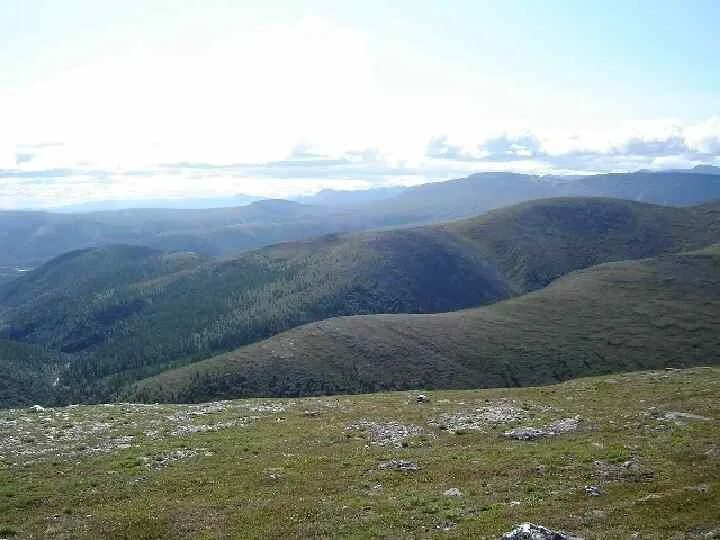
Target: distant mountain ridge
{"points": [[179, 204], [32, 237], [350, 198], [705, 169], [662, 187]]}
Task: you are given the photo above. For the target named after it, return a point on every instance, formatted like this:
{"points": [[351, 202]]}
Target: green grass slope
{"points": [[616, 316], [120, 333], [321, 468]]}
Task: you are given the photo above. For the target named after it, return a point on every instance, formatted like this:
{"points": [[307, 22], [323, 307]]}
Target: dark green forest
{"points": [[646, 314]]}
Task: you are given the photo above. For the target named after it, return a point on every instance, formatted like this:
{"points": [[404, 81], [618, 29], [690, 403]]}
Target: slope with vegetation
{"points": [[29, 373], [616, 316], [633, 455], [123, 322]]}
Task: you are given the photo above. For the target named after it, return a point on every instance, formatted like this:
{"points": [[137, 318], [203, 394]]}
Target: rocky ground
{"points": [[625, 456]]}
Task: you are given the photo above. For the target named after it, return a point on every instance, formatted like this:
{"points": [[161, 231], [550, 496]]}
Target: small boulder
{"points": [[525, 434], [399, 465], [422, 398], [274, 474], [566, 425], [453, 492], [530, 531]]}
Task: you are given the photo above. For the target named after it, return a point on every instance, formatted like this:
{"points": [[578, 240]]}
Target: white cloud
{"points": [[635, 144], [704, 137], [291, 109]]}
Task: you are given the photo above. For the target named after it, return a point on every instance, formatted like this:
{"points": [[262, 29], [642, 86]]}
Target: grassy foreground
{"points": [[324, 467]]}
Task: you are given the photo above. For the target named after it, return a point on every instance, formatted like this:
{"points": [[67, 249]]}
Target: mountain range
{"points": [[30, 238], [98, 320]]}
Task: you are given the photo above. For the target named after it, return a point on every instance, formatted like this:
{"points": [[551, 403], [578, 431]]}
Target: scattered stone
{"points": [[675, 416], [565, 425], [530, 531], [385, 433], [189, 429], [482, 418], [399, 465], [631, 470], [593, 491], [453, 492], [160, 461], [525, 434], [274, 474], [37, 433], [422, 398], [445, 526], [36, 409], [311, 413], [199, 409], [264, 408]]}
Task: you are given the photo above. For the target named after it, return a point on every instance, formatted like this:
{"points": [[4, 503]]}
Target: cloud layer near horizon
{"points": [[49, 174], [286, 110]]}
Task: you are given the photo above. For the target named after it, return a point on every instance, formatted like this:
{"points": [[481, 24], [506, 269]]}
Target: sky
{"points": [[166, 99]]}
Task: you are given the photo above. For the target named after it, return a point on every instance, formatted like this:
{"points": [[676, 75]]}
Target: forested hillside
{"points": [[127, 313], [28, 373], [618, 316]]}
